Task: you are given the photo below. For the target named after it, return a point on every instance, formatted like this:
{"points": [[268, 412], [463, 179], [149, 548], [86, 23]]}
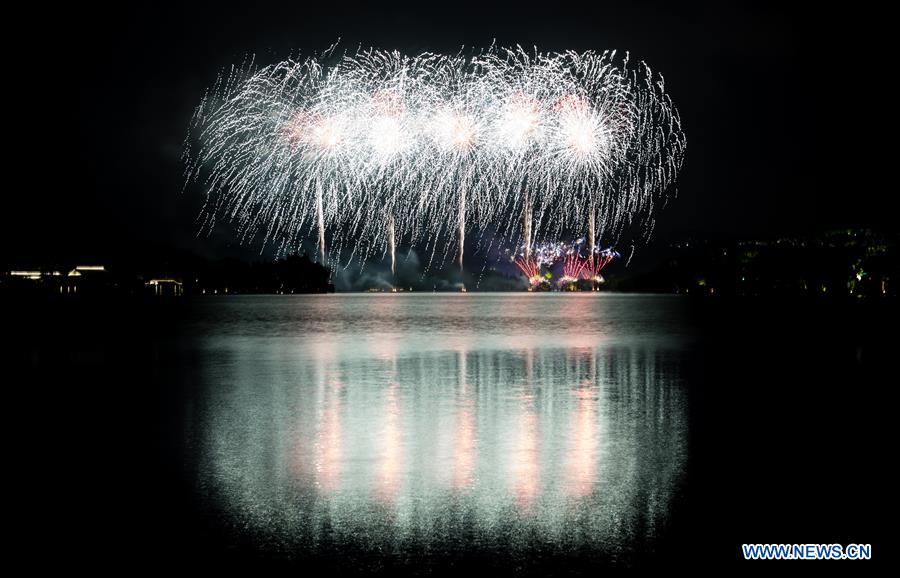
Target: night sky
{"points": [[781, 107]]}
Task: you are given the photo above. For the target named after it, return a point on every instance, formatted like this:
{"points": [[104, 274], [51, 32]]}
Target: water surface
{"points": [[412, 427]]}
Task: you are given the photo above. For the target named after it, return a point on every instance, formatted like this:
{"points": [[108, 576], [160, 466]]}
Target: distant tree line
{"points": [[292, 274], [846, 262]]}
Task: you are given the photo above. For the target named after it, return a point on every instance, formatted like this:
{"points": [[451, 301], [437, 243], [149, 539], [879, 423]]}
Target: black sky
{"points": [[779, 105]]}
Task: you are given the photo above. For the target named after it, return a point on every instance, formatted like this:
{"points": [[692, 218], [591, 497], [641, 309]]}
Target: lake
{"points": [[405, 425], [447, 433]]}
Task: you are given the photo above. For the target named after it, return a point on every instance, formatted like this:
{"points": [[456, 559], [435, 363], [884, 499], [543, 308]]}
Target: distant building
{"points": [[74, 281], [166, 287], [30, 275], [84, 278]]}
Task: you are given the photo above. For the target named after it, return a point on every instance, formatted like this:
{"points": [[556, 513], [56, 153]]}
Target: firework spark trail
{"points": [[392, 247], [573, 265], [595, 262], [370, 149], [530, 268], [532, 260]]}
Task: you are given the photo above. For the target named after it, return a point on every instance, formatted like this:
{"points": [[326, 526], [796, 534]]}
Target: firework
{"points": [[531, 269], [573, 265], [370, 150], [532, 261], [595, 262]]}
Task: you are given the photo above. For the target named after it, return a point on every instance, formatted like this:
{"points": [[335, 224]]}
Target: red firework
{"points": [[530, 267], [574, 265], [595, 263], [572, 268]]}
